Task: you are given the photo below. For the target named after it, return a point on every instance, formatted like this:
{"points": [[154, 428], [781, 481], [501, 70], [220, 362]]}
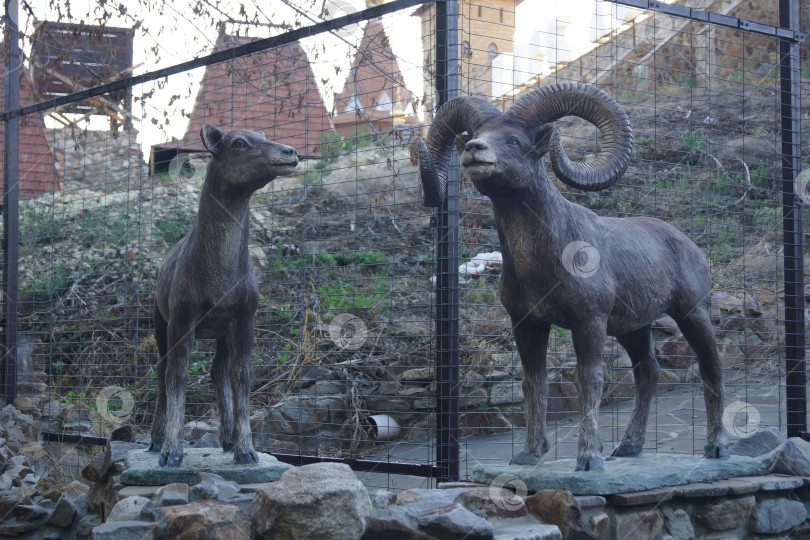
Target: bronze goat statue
{"points": [[207, 289], [639, 267]]}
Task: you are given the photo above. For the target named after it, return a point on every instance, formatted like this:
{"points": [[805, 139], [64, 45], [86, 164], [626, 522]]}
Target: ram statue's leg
{"points": [[222, 387], [638, 345], [240, 342], [180, 338], [159, 420], [699, 333], [532, 342], [589, 343]]}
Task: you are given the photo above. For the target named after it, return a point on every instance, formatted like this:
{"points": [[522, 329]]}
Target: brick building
{"points": [[38, 172], [374, 91], [273, 91], [485, 30]]}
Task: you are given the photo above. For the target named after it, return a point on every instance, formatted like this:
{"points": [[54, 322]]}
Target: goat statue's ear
{"points": [[211, 137], [461, 141], [542, 137]]}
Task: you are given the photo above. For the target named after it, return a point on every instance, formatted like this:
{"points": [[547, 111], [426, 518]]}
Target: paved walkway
{"points": [[677, 424]]}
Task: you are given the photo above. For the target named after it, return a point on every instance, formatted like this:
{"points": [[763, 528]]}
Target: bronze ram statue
{"points": [[639, 267], [207, 289]]}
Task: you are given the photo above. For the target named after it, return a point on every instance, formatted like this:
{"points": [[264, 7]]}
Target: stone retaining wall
{"points": [[98, 158], [326, 500]]}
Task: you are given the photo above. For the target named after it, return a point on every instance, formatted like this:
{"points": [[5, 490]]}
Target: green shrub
{"points": [[174, 226]]}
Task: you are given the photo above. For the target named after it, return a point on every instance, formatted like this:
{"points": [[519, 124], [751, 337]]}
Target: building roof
{"points": [[374, 86], [273, 91], [38, 173]]}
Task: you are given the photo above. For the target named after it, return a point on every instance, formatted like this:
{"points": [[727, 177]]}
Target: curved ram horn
{"points": [[453, 118], [555, 101]]}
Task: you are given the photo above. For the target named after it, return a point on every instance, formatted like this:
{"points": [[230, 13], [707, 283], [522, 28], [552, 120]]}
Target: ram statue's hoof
{"points": [[154, 446], [715, 451], [525, 458], [627, 449], [593, 464], [170, 459], [248, 457]]}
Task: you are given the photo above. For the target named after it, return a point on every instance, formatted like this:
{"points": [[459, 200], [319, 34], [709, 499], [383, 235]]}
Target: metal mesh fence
{"points": [[344, 359], [704, 105]]}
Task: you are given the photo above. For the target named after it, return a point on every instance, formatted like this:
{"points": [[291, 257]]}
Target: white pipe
{"points": [[386, 428]]}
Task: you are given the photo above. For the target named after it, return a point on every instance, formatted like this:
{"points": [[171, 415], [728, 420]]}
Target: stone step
{"points": [[141, 468]]}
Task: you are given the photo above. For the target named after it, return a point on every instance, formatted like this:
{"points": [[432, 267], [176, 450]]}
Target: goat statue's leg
{"points": [[159, 419], [240, 342], [532, 343], [638, 345], [589, 344], [180, 338], [222, 386], [697, 329]]}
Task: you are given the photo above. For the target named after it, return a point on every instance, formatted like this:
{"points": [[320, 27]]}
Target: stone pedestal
{"points": [[622, 475], [141, 468]]}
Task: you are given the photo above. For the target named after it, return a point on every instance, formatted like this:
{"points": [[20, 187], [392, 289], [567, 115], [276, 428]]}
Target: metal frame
{"points": [[213, 58], [795, 368], [784, 30], [11, 199], [447, 294], [447, 228]]}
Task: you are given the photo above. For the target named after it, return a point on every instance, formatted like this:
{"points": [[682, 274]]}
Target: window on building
{"points": [[384, 102], [354, 104], [493, 52], [466, 51]]}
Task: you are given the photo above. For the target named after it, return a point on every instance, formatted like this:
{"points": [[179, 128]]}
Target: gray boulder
{"points": [[208, 440], [128, 509], [759, 443], [322, 500], [21, 519], [211, 520], [455, 521], [775, 516], [124, 530], [213, 486], [792, 457], [63, 513], [171, 495]]}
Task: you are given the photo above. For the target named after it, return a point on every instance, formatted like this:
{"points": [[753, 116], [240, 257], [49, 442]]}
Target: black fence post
{"points": [[11, 170], [447, 327], [790, 96]]}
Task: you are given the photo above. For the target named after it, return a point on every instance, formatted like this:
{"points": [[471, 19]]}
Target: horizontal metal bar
{"points": [[676, 10], [643, 4], [217, 57], [700, 15], [70, 438], [717, 19], [385, 467], [758, 28]]}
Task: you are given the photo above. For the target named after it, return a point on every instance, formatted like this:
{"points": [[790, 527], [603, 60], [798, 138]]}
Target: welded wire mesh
{"points": [[704, 105], [344, 254]]}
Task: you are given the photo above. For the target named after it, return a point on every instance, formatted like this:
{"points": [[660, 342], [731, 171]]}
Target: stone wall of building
{"points": [[98, 158]]}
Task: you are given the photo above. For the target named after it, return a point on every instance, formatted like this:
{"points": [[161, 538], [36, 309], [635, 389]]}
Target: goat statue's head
{"points": [[244, 159], [502, 152]]}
